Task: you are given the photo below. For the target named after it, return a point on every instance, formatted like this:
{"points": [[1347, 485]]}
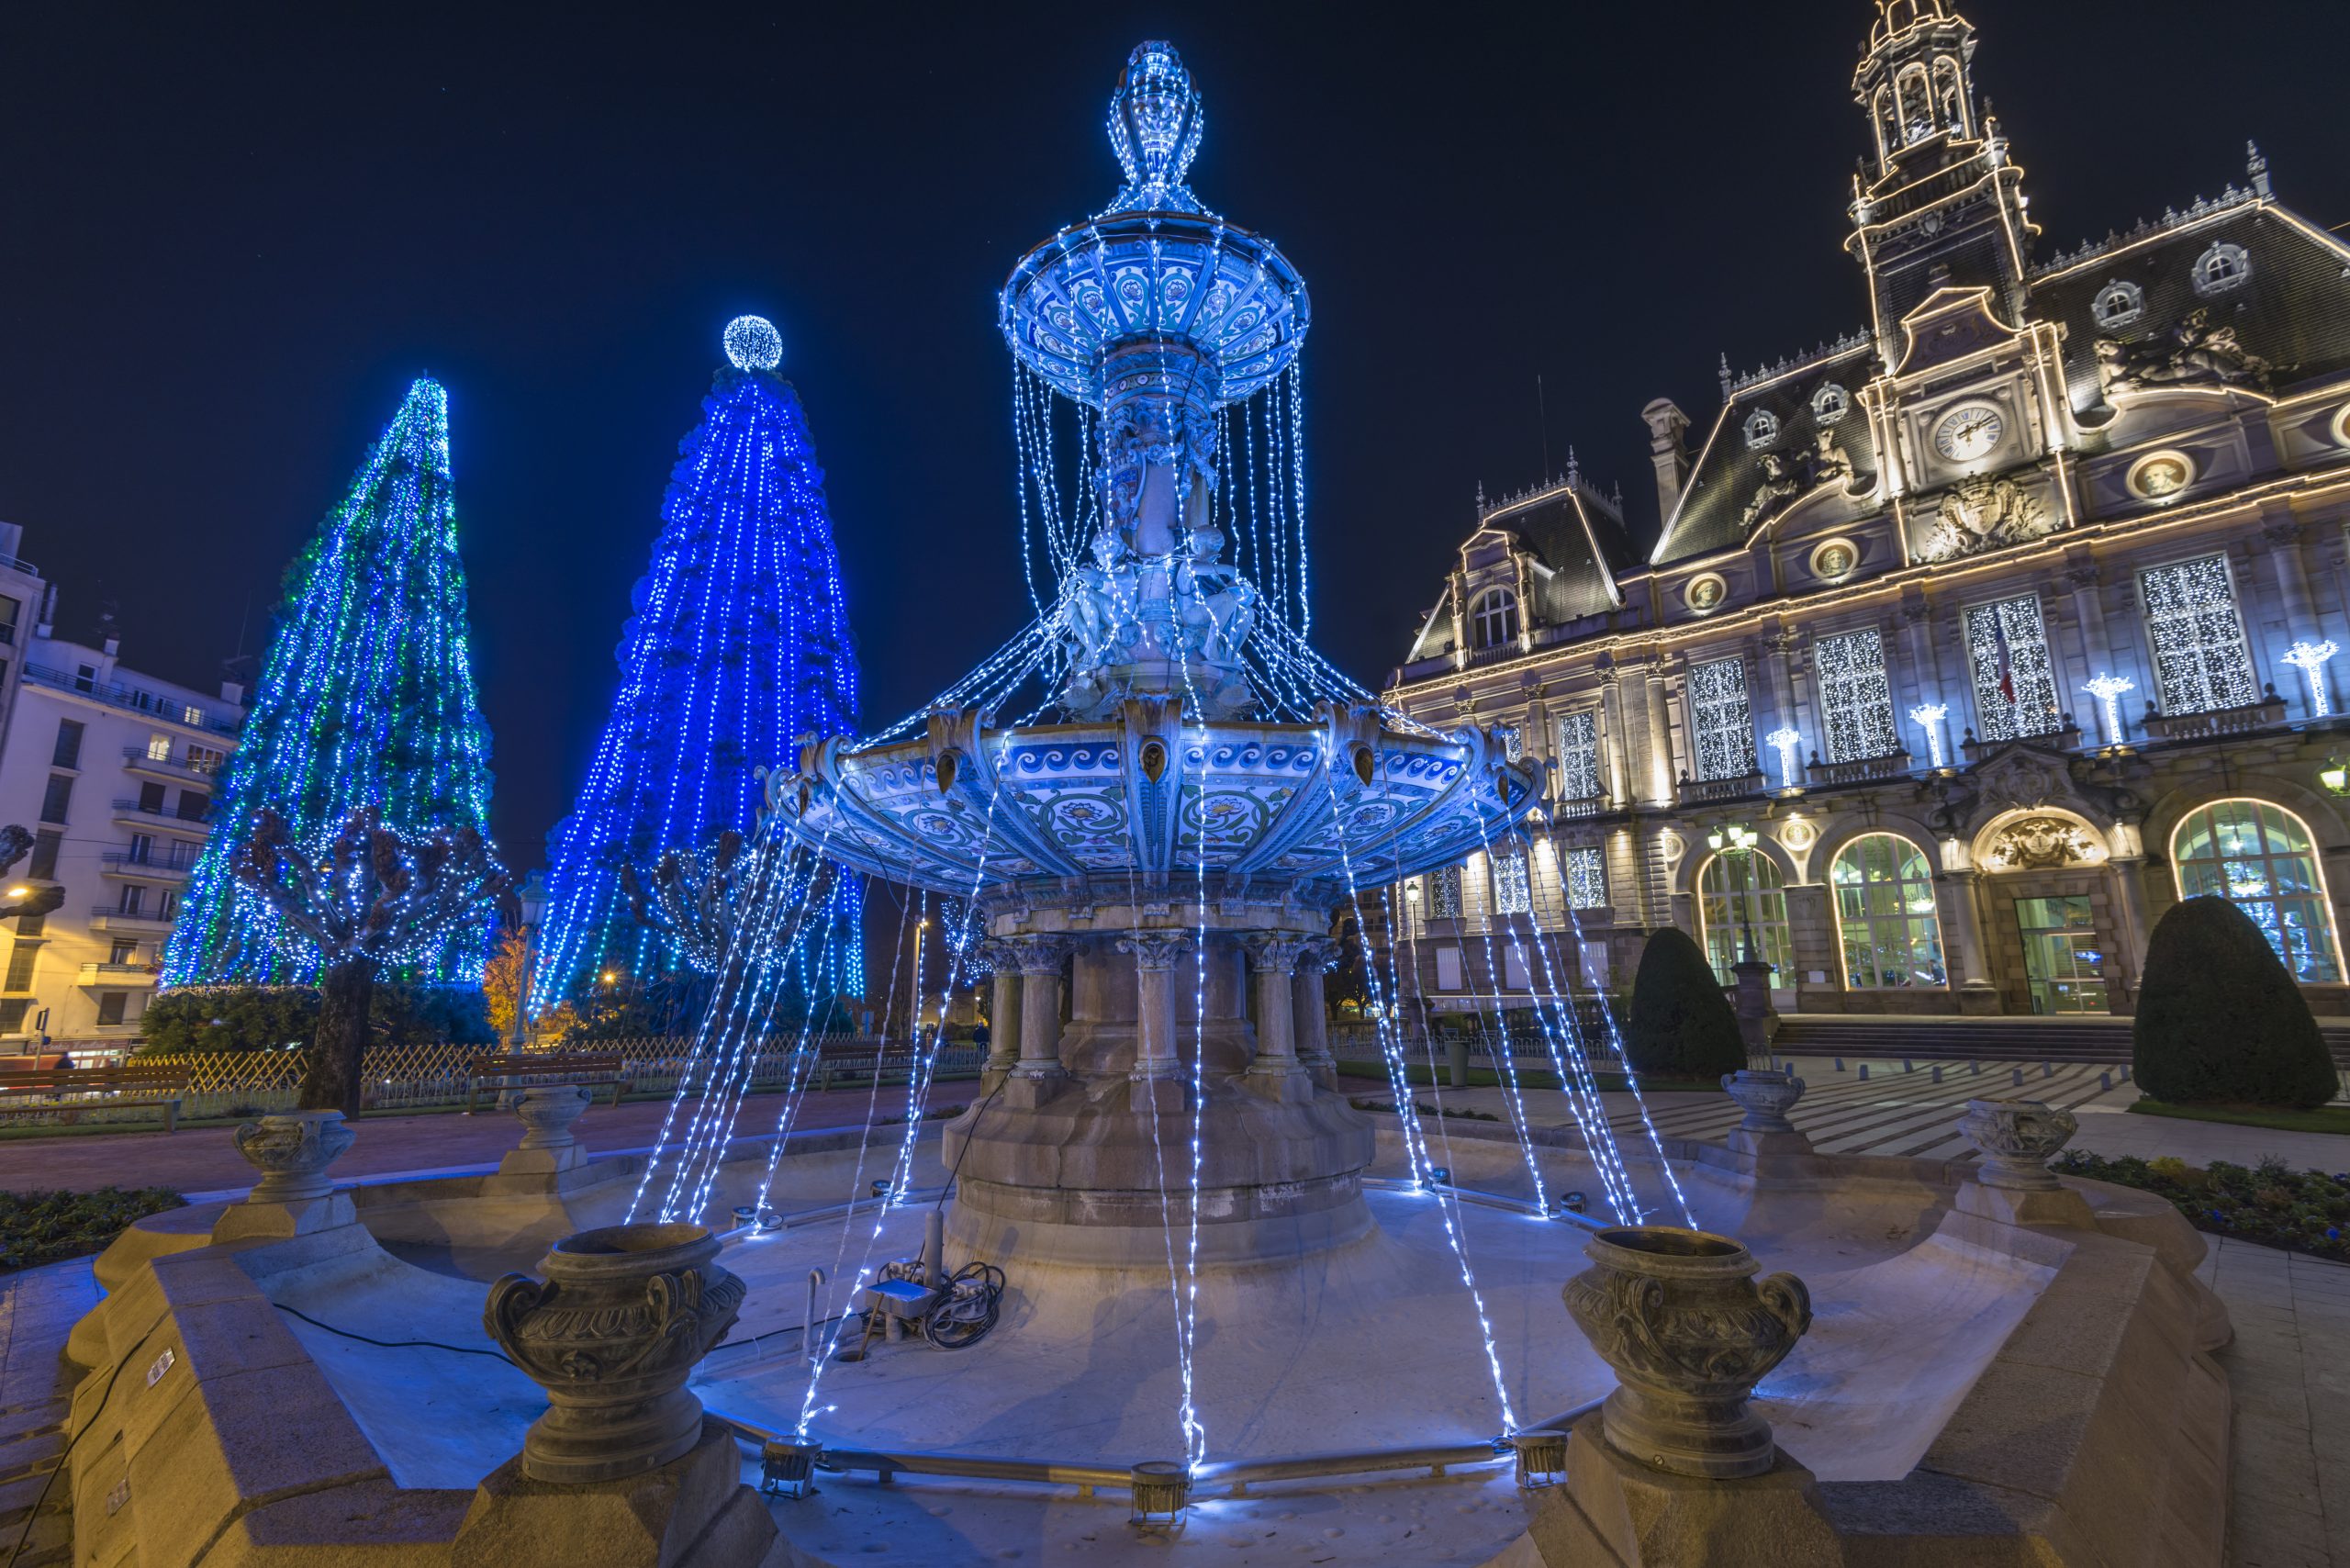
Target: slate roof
{"points": [[2294, 309], [1710, 515], [1572, 531]]}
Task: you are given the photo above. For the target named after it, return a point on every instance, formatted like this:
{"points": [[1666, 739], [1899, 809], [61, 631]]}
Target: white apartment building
{"points": [[112, 772]]}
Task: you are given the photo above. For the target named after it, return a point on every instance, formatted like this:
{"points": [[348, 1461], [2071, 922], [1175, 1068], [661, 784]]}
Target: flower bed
{"points": [[41, 1227], [2302, 1210]]}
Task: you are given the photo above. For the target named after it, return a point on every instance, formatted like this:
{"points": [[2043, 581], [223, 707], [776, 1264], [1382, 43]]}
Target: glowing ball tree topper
{"points": [[753, 344]]}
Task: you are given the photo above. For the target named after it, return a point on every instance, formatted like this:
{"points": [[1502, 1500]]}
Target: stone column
{"points": [[1003, 1014], [1974, 989], [1155, 1078], [1276, 1073], [1612, 733], [2130, 903], [1310, 1009], [1659, 782], [1037, 1075], [2096, 651], [2282, 529]]}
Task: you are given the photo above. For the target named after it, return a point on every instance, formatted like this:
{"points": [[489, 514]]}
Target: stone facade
{"points": [[2002, 622]]}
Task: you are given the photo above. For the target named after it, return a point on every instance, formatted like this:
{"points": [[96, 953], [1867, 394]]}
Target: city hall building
{"points": [[2002, 625]]}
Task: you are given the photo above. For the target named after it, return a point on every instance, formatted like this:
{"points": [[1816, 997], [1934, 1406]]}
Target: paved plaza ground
{"points": [[2289, 1368]]}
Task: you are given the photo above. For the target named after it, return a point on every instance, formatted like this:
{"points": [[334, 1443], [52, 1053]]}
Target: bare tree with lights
{"points": [[369, 897]]}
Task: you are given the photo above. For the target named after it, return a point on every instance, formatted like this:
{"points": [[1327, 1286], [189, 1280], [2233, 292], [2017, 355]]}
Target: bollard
{"points": [[2125, 1075], [1906, 1066], [2019, 1078], [1974, 1067], [1938, 1072], [1865, 1072], [2105, 1081], [1840, 1064], [2047, 1070]]}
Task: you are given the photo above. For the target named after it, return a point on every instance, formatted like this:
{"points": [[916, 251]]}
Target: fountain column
{"points": [[1156, 1077], [1310, 1009], [1038, 1073], [1004, 1013], [1275, 1072]]}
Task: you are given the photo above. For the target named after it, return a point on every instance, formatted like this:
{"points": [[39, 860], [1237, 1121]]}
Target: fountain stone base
{"points": [[1616, 1510], [1177, 1068]]}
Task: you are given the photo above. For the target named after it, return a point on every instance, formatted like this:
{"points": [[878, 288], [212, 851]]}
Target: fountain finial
{"points": [[1155, 124]]}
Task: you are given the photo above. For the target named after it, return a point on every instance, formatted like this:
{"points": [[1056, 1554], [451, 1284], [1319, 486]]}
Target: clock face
{"points": [[1968, 434]]}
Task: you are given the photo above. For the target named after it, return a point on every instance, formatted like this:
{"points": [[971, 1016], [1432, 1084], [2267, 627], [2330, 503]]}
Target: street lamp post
{"points": [[1741, 841], [1754, 975], [532, 898], [914, 1028]]}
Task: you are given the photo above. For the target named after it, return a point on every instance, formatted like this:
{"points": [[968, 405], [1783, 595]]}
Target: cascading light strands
{"points": [[738, 647], [366, 701]]}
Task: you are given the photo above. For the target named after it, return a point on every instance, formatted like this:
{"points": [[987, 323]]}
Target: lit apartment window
{"points": [[123, 951], [191, 714], [2015, 688], [1855, 701], [2201, 661], [159, 748], [20, 966], [12, 1014], [1723, 722], [1579, 756]]}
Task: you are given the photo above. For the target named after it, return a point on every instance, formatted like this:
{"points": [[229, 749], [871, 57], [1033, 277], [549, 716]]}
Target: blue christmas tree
{"points": [[738, 647], [366, 700]]}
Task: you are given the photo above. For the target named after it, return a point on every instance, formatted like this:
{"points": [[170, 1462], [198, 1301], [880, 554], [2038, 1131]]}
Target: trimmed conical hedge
{"points": [[2219, 1019], [1680, 1024]]}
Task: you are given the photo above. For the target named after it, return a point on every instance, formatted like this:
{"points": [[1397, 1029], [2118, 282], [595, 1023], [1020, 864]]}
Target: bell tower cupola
{"points": [[1937, 202]]}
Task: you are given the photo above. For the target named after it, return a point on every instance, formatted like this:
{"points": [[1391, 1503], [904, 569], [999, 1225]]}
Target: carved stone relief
{"points": [[2039, 844], [1983, 515]]}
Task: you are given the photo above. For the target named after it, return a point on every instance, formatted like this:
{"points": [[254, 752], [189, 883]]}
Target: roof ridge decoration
{"points": [[1573, 479], [1735, 383], [2231, 198]]}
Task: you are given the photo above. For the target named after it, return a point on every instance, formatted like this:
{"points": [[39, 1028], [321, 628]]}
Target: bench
{"points": [[532, 1069], [857, 1066], [66, 1092]]}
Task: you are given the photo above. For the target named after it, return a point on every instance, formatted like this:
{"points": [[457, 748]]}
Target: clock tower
{"points": [[1937, 203]]}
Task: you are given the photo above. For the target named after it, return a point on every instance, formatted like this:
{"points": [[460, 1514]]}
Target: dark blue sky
{"points": [[235, 234]]}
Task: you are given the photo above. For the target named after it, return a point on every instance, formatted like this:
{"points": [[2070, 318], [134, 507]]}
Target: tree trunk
{"points": [[331, 1078]]}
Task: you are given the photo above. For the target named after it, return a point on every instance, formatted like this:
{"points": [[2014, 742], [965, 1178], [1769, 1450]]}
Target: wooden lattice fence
{"points": [[245, 1084]]}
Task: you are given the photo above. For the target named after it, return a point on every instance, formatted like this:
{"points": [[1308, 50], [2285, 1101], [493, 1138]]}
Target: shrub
{"points": [[269, 1017], [1680, 1024], [2304, 1211], [2219, 1019], [41, 1227]]}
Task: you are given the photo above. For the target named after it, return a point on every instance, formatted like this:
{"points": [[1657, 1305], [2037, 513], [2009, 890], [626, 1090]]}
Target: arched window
{"points": [[1954, 96], [2221, 268], [1885, 911], [1496, 619], [2260, 858], [1732, 889], [1917, 104], [2118, 302]]}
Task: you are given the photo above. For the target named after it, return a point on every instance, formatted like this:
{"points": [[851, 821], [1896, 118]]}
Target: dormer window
{"points": [[2221, 268], [1830, 403], [1762, 429], [2118, 304], [1495, 620]]}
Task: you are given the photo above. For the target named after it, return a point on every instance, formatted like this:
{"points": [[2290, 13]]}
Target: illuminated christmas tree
{"points": [[739, 645], [365, 702]]}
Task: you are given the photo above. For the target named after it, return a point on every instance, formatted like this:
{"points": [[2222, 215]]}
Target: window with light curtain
{"points": [[1724, 723], [2260, 858], [2015, 688], [1512, 892], [2201, 660], [1584, 871], [1855, 700], [1884, 910], [1579, 756]]}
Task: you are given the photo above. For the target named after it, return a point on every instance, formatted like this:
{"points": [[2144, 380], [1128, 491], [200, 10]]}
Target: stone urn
{"points": [[2017, 1138], [1765, 1097], [1689, 1331], [292, 1152], [611, 1334], [547, 1110]]}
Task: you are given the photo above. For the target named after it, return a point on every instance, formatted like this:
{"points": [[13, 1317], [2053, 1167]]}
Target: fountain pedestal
{"points": [[1614, 1509], [295, 1196], [1095, 1160]]}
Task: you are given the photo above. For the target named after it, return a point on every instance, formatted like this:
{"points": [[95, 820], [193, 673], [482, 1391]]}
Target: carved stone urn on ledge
{"points": [[1689, 1331], [1765, 1098], [611, 1334], [2017, 1138], [546, 1112], [292, 1152]]}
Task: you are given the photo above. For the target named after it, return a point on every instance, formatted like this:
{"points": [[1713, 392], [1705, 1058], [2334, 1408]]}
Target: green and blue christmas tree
{"points": [[366, 698]]}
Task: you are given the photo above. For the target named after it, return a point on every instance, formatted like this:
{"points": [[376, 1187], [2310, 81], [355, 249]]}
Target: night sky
{"points": [[233, 236]]}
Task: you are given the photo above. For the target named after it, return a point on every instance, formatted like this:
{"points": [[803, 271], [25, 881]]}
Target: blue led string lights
{"points": [[737, 646]]}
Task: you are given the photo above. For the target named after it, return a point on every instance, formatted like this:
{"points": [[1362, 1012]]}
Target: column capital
{"points": [[1156, 949], [1274, 952], [1319, 954], [1035, 954]]}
